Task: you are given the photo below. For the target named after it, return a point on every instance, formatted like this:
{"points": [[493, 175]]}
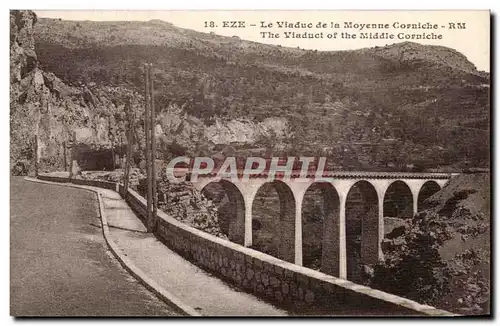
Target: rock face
{"points": [[22, 45], [36, 102], [41, 105], [243, 131], [175, 125], [186, 204], [45, 111], [449, 245]]}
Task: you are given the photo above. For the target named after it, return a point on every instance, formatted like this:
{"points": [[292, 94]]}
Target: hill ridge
{"points": [[407, 103]]}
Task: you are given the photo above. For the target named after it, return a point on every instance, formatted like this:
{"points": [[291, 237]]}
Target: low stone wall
{"points": [[96, 183], [282, 283], [137, 203], [52, 178], [93, 183]]}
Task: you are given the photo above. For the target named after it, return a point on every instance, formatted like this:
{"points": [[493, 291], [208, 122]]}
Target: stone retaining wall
{"points": [[96, 183], [93, 183], [285, 284], [137, 203]]}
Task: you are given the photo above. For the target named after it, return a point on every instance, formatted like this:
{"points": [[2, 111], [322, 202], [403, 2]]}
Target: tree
{"points": [[413, 267]]}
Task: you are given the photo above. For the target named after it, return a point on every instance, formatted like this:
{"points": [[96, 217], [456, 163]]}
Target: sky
{"points": [[473, 41]]}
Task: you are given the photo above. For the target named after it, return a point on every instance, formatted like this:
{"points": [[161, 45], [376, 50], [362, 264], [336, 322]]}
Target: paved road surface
{"points": [[59, 263]]}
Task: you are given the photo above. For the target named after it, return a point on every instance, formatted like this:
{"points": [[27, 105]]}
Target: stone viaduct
{"points": [[337, 188]]}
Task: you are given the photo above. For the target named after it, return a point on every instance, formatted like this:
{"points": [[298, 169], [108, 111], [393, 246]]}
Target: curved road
{"points": [[59, 261]]}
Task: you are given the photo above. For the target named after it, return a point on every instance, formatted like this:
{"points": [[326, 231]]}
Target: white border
{"points": [[198, 5]]}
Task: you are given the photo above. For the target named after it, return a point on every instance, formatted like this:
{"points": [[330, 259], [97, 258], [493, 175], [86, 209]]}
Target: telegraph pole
{"points": [[71, 153], [129, 147], [153, 146], [147, 129], [65, 158], [35, 148]]}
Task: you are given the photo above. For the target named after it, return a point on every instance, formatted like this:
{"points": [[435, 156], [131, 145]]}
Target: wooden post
{"points": [[113, 143], [65, 159], [153, 146], [122, 155], [71, 154], [147, 129], [129, 148], [35, 148]]}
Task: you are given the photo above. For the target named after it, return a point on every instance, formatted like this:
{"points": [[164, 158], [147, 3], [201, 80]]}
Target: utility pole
{"points": [[129, 147], [35, 148], [71, 154], [65, 159], [113, 143], [153, 146], [147, 129]]}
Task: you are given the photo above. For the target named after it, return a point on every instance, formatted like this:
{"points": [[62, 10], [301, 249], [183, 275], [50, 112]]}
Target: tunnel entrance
{"points": [[361, 229], [428, 189], [273, 221], [320, 228], [230, 206], [94, 158]]}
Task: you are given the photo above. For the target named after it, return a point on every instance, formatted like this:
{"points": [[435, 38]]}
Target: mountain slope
{"points": [[42, 105], [422, 96], [443, 256], [379, 108]]}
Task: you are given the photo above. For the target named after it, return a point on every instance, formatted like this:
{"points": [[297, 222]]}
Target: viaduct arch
{"points": [[234, 223], [282, 230], [324, 230], [398, 200], [428, 189], [368, 190]]}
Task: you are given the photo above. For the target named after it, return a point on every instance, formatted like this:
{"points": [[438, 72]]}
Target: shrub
{"points": [[413, 267]]}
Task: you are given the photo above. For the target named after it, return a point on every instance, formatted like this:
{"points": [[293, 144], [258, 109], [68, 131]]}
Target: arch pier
{"points": [[364, 196]]}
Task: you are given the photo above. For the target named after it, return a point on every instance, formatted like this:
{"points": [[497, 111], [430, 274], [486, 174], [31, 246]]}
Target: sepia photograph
{"points": [[250, 163]]}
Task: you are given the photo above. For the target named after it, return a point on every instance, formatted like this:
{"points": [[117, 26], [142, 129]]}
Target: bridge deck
{"points": [[339, 174]]}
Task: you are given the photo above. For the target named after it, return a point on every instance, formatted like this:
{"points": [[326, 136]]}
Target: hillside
{"points": [[443, 256], [424, 97], [385, 108]]}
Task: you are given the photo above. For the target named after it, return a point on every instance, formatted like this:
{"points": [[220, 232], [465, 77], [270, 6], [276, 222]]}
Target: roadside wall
{"points": [[96, 183]]}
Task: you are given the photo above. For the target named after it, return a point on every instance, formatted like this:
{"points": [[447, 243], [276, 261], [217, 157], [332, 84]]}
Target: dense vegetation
{"points": [[373, 108], [442, 256]]}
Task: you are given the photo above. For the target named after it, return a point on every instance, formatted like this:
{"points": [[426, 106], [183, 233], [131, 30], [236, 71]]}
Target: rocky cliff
{"points": [[32, 95], [442, 257], [45, 111], [186, 204], [176, 125]]}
